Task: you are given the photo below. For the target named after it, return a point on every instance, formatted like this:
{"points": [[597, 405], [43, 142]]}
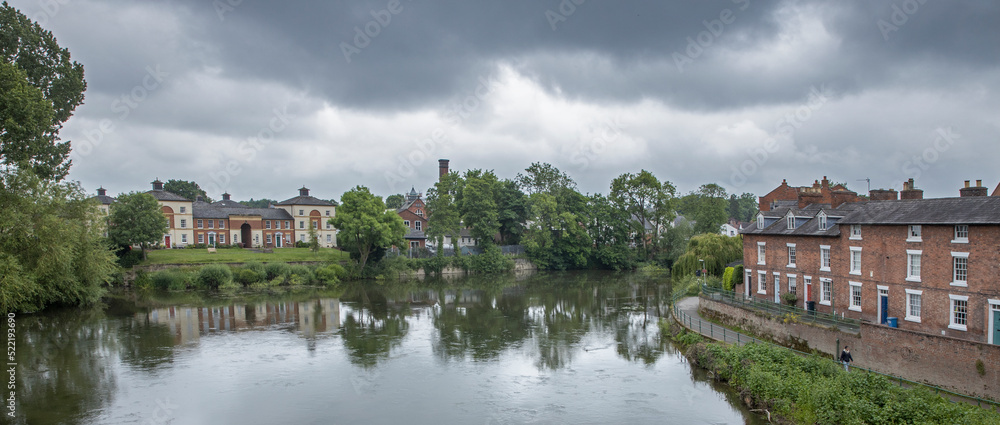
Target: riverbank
{"points": [[814, 389]]}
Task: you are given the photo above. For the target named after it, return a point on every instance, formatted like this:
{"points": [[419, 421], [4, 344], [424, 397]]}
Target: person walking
{"points": [[845, 357]]}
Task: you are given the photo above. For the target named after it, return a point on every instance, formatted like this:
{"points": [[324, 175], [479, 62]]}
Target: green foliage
{"points": [[727, 278], [478, 207], [172, 280], [491, 260], [744, 207], [980, 367], [715, 249], [189, 190], [543, 178], [277, 270], [214, 276], [708, 207], [313, 240], [52, 249], [136, 219], [649, 204], [128, 257], [816, 390], [259, 203], [395, 201], [366, 226], [29, 135], [445, 218], [328, 275], [557, 238], [300, 275], [789, 298], [687, 338]]}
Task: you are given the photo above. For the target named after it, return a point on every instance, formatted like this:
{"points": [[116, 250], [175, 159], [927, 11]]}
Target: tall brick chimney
{"points": [[442, 168], [883, 195], [977, 190], [910, 191]]}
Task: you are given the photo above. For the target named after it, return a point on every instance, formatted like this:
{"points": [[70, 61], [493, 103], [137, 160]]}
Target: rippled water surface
{"points": [[543, 348]]}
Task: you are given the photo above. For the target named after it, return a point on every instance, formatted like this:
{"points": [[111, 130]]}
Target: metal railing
{"points": [[799, 315], [720, 333]]}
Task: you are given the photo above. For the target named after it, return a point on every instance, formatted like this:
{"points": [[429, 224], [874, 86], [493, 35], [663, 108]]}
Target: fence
{"points": [[720, 333], [778, 310]]}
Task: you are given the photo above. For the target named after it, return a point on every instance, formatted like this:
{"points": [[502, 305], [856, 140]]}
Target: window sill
{"points": [[762, 292], [824, 269], [962, 328], [915, 319], [791, 266], [855, 238], [856, 273], [914, 240], [913, 278], [854, 308], [960, 284], [761, 263], [824, 303], [960, 241]]}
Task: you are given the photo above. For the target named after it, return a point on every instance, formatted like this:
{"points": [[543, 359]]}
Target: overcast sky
{"points": [[261, 97]]}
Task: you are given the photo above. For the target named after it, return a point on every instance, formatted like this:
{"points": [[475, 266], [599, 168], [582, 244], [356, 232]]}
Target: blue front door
{"points": [[884, 301]]}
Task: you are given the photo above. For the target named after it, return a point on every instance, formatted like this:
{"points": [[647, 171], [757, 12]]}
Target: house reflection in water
{"points": [[187, 323]]}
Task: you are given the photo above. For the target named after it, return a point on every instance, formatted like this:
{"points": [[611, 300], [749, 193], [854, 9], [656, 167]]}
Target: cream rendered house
{"points": [[178, 210], [309, 211]]}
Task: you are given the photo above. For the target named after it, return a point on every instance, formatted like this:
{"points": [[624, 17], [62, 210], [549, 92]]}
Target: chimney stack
{"points": [[977, 190], [910, 191], [442, 168], [883, 195]]}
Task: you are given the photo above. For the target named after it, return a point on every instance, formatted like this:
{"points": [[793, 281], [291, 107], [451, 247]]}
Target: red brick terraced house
{"points": [[931, 264]]}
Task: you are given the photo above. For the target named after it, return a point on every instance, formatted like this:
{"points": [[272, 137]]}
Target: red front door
{"points": [[166, 240]]}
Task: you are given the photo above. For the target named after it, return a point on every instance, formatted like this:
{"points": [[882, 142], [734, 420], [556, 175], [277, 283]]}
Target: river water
{"points": [[573, 348]]}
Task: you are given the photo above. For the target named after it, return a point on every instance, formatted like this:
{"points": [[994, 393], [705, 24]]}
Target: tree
{"points": [[366, 225], [716, 250], [556, 239], [260, 203], [512, 212], [52, 248], [609, 227], [48, 68], [445, 218], [187, 189], [648, 202], [711, 208], [395, 201], [313, 240], [744, 207], [543, 177], [136, 219], [25, 116], [477, 205]]}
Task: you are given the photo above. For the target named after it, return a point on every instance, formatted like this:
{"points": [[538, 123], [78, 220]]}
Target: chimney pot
{"points": [[979, 183], [967, 183]]}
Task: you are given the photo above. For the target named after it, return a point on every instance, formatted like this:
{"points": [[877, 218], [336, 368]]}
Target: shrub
{"points": [[276, 270], [171, 280], [340, 271], [142, 280], [129, 258], [213, 276], [727, 278], [491, 260], [247, 277], [300, 275], [327, 275]]}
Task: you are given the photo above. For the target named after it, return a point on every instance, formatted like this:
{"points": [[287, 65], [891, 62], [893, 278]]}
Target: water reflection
{"points": [[77, 362]]}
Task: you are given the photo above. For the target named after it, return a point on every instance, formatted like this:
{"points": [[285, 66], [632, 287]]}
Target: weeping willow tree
{"points": [[716, 250]]}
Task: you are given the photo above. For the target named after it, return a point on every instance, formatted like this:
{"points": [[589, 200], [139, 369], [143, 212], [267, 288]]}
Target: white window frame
{"points": [[910, 253], [855, 232], [183, 223], [302, 212], [854, 305], [914, 233], [790, 221], [824, 249], [855, 264], [822, 222], [222, 238], [417, 225], [183, 210], [761, 252], [200, 223], [959, 229], [791, 255], [222, 224], [825, 283], [269, 238], [762, 282], [267, 224], [954, 270], [777, 287], [184, 238], [329, 238], [952, 298], [760, 221], [201, 238], [792, 279], [406, 223], [302, 224], [910, 317]]}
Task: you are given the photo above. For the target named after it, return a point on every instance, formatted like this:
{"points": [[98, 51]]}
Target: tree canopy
{"points": [[137, 219], [395, 201], [366, 225], [48, 68], [187, 189], [649, 203], [444, 218]]}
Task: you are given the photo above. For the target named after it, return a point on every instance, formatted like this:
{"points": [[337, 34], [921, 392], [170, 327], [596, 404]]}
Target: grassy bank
{"points": [[251, 275], [235, 255], [816, 390]]}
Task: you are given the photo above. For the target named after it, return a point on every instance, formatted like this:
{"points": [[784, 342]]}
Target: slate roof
{"points": [[205, 210], [162, 195], [968, 210], [416, 234], [807, 220], [307, 200], [105, 199], [228, 204]]}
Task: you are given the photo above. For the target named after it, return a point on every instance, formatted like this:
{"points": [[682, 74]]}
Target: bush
{"points": [[247, 277], [213, 276], [129, 258], [142, 280], [171, 280], [339, 271], [491, 260], [276, 270], [327, 275], [300, 275], [727, 278]]}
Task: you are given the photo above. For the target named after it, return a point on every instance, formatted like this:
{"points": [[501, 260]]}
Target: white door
{"points": [[777, 288]]}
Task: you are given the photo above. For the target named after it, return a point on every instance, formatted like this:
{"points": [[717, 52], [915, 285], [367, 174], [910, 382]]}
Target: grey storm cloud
{"points": [[698, 87]]}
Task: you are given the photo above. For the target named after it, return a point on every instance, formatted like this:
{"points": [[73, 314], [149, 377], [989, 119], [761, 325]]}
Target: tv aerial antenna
{"points": [[869, 180]]}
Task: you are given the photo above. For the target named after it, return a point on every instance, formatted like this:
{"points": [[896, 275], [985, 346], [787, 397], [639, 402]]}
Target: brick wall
{"points": [[938, 360]]}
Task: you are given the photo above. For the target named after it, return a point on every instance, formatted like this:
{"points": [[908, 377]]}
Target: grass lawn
{"points": [[202, 256]]}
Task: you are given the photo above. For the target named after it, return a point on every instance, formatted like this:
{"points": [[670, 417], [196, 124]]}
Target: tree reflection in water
{"points": [[371, 329]]}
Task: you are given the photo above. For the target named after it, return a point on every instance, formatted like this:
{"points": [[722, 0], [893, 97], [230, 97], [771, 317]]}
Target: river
{"points": [[547, 348]]}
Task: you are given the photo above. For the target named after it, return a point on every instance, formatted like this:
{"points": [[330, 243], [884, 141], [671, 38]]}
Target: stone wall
{"points": [[938, 360]]}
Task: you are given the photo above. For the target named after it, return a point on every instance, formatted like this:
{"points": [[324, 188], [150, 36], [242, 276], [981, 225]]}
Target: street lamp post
{"points": [[702, 262]]}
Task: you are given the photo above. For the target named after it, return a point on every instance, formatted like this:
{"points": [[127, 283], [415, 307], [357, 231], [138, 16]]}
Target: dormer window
{"points": [[822, 221], [791, 222], [760, 221]]}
